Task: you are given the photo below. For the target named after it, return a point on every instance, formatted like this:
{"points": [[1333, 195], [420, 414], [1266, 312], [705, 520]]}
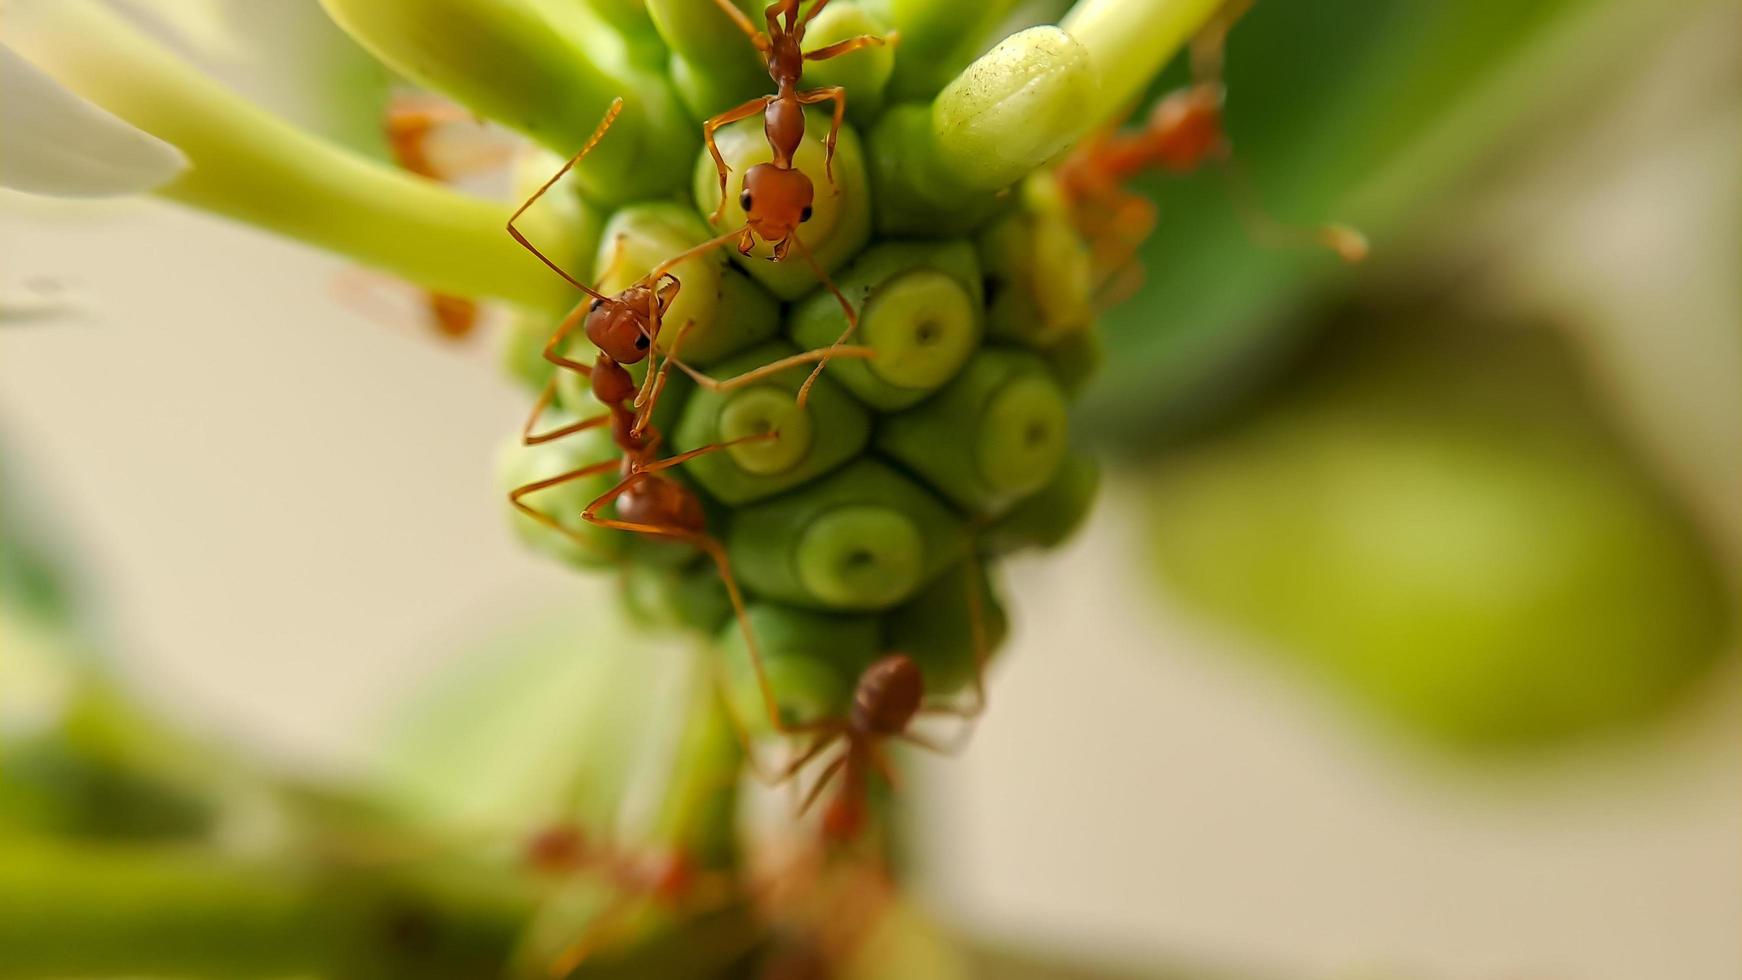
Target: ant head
{"points": [[618, 326], [888, 695], [776, 200], [1186, 126]]}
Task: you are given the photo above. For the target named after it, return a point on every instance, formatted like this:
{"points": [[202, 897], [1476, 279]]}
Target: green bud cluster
{"points": [[868, 523]]}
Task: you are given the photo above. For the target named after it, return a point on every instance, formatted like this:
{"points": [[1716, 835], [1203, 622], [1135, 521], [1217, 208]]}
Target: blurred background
{"points": [[1400, 645]]}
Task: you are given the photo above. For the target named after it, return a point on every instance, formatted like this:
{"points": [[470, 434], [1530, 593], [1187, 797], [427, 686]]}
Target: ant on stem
{"points": [[1184, 130], [777, 196]]}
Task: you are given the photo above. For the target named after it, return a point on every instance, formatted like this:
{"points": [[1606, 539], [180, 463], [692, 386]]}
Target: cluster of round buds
{"points": [[833, 528]]}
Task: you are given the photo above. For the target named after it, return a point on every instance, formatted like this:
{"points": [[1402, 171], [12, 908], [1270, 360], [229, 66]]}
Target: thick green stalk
{"points": [[937, 39], [254, 167], [115, 910], [548, 70], [697, 811], [1128, 42], [938, 168], [713, 63]]}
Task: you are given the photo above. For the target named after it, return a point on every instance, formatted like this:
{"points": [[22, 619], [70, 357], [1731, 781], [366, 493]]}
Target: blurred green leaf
{"points": [[1353, 110], [1444, 528]]}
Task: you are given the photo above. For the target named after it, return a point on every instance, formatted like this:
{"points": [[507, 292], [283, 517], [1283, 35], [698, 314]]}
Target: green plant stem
{"points": [[1129, 41], [549, 70], [713, 63], [109, 910], [251, 166], [697, 815]]}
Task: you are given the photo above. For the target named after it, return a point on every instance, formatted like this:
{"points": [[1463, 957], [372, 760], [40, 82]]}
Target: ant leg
{"points": [[839, 96], [804, 390], [810, 15], [648, 397], [822, 783], [756, 37], [757, 374], [598, 134], [974, 708], [744, 111], [1209, 46], [1349, 244], [851, 44], [531, 438], [518, 494]]}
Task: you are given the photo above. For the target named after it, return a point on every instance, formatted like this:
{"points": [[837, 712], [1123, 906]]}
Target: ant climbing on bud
{"points": [[1183, 132], [625, 327], [888, 697], [777, 196]]}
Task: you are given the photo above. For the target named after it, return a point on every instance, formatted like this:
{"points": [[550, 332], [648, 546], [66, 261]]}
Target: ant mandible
{"points": [[1183, 131]]}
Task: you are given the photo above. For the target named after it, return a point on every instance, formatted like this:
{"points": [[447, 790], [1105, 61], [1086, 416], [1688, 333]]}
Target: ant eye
{"points": [[804, 215], [594, 308], [744, 200], [641, 342]]}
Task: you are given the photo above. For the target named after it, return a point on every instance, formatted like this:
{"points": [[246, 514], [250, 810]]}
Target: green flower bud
{"points": [[1051, 514], [919, 308], [687, 597], [519, 63], [637, 240], [1040, 280], [813, 660], [862, 538], [936, 628], [597, 546], [519, 465], [863, 73], [840, 222], [937, 39], [830, 430], [1077, 357], [1018, 106], [713, 64], [991, 437], [916, 193]]}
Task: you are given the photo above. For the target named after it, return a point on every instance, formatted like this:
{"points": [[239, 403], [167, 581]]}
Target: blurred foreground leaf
{"points": [[1444, 528]]}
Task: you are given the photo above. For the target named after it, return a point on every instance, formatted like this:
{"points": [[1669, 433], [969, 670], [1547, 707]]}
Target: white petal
{"points": [[206, 26], [54, 142]]}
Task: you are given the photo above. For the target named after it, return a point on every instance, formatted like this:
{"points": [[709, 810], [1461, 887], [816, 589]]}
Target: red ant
{"points": [[408, 127], [888, 696], [624, 327], [776, 195], [1183, 131], [668, 878]]}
